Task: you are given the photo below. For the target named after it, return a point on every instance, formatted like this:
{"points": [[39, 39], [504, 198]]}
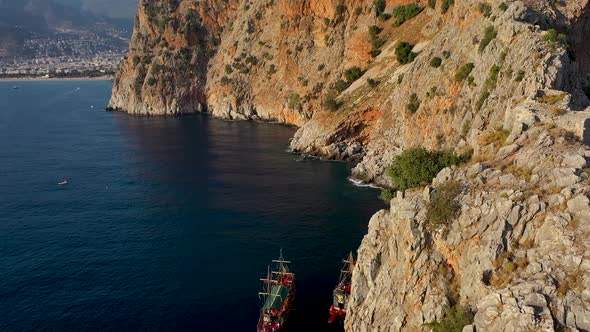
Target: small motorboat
{"points": [[16, 87], [63, 182]]}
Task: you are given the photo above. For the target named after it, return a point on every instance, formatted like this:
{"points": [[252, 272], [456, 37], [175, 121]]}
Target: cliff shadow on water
{"points": [[241, 196]]}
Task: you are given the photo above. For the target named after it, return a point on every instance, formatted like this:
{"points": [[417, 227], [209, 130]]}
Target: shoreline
{"points": [[38, 79]]}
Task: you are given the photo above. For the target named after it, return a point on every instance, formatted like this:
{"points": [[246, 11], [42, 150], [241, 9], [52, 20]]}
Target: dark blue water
{"points": [[166, 223]]}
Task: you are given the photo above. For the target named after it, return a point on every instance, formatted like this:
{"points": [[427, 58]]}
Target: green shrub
{"points": [[152, 81], [375, 52], [386, 195], [432, 4], [340, 9], [446, 4], [372, 82], [493, 76], [489, 34], [482, 99], [384, 16], [377, 43], [341, 85], [330, 102], [379, 7], [352, 74], [414, 103], [443, 207], [463, 72], [435, 62], [403, 13], [485, 9], [519, 76], [404, 53], [374, 30], [293, 100], [454, 320], [417, 166], [225, 80], [503, 6], [228, 69], [553, 36], [136, 60], [446, 54]]}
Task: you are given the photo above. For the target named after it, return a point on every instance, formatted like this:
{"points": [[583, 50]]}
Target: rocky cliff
{"points": [[504, 82]]}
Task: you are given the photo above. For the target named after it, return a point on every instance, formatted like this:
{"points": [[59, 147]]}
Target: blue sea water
{"points": [[166, 223]]}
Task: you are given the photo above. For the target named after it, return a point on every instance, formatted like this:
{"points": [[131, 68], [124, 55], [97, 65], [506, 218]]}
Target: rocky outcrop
{"points": [[517, 254]]}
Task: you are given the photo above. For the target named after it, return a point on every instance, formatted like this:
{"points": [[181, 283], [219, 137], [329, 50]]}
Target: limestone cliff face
{"points": [[490, 78], [267, 60], [517, 255]]}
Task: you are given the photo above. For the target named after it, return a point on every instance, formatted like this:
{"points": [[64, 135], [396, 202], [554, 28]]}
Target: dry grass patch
{"points": [[551, 99], [498, 137]]}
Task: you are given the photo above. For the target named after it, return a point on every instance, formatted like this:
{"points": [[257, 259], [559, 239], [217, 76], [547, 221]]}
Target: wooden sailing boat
{"points": [[341, 293], [278, 295]]}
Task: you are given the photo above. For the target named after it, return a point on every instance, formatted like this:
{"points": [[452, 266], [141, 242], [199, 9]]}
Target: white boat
{"points": [[63, 182]]}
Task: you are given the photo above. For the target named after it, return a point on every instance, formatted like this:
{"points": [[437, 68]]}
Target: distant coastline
{"points": [[37, 78]]}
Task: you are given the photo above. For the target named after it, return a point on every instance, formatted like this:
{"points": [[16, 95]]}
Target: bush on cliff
{"points": [[379, 7], [417, 166], [404, 53], [454, 320], [403, 13], [443, 207]]}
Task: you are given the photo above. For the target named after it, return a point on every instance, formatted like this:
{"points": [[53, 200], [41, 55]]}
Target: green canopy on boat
{"points": [[278, 294]]}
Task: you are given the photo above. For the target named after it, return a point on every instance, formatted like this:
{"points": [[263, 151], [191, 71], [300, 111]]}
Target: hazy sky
{"points": [[111, 8]]}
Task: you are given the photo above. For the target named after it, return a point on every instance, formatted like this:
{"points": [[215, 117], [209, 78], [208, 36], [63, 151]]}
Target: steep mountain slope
{"points": [[505, 83]]}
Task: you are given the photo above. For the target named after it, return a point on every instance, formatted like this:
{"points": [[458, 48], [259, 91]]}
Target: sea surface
{"points": [[165, 223]]}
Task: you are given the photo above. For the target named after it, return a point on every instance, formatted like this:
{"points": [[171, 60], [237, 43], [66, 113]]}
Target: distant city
{"points": [[73, 43]]}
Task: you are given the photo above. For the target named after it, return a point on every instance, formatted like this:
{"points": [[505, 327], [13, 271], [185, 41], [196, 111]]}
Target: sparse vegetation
{"points": [[379, 7], [372, 82], [136, 60], [417, 166], [551, 99], [493, 76], [340, 85], [432, 4], [386, 195], [374, 30], [293, 100], [482, 99], [352, 74], [446, 4], [454, 320], [435, 62], [503, 6], [414, 103], [403, 13], [330, 102], [446, 54], [443, 207], [489, 34], [485, 9], [464, 71], [519, 76], [498, 136], [404, 53], [553, 36]]}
